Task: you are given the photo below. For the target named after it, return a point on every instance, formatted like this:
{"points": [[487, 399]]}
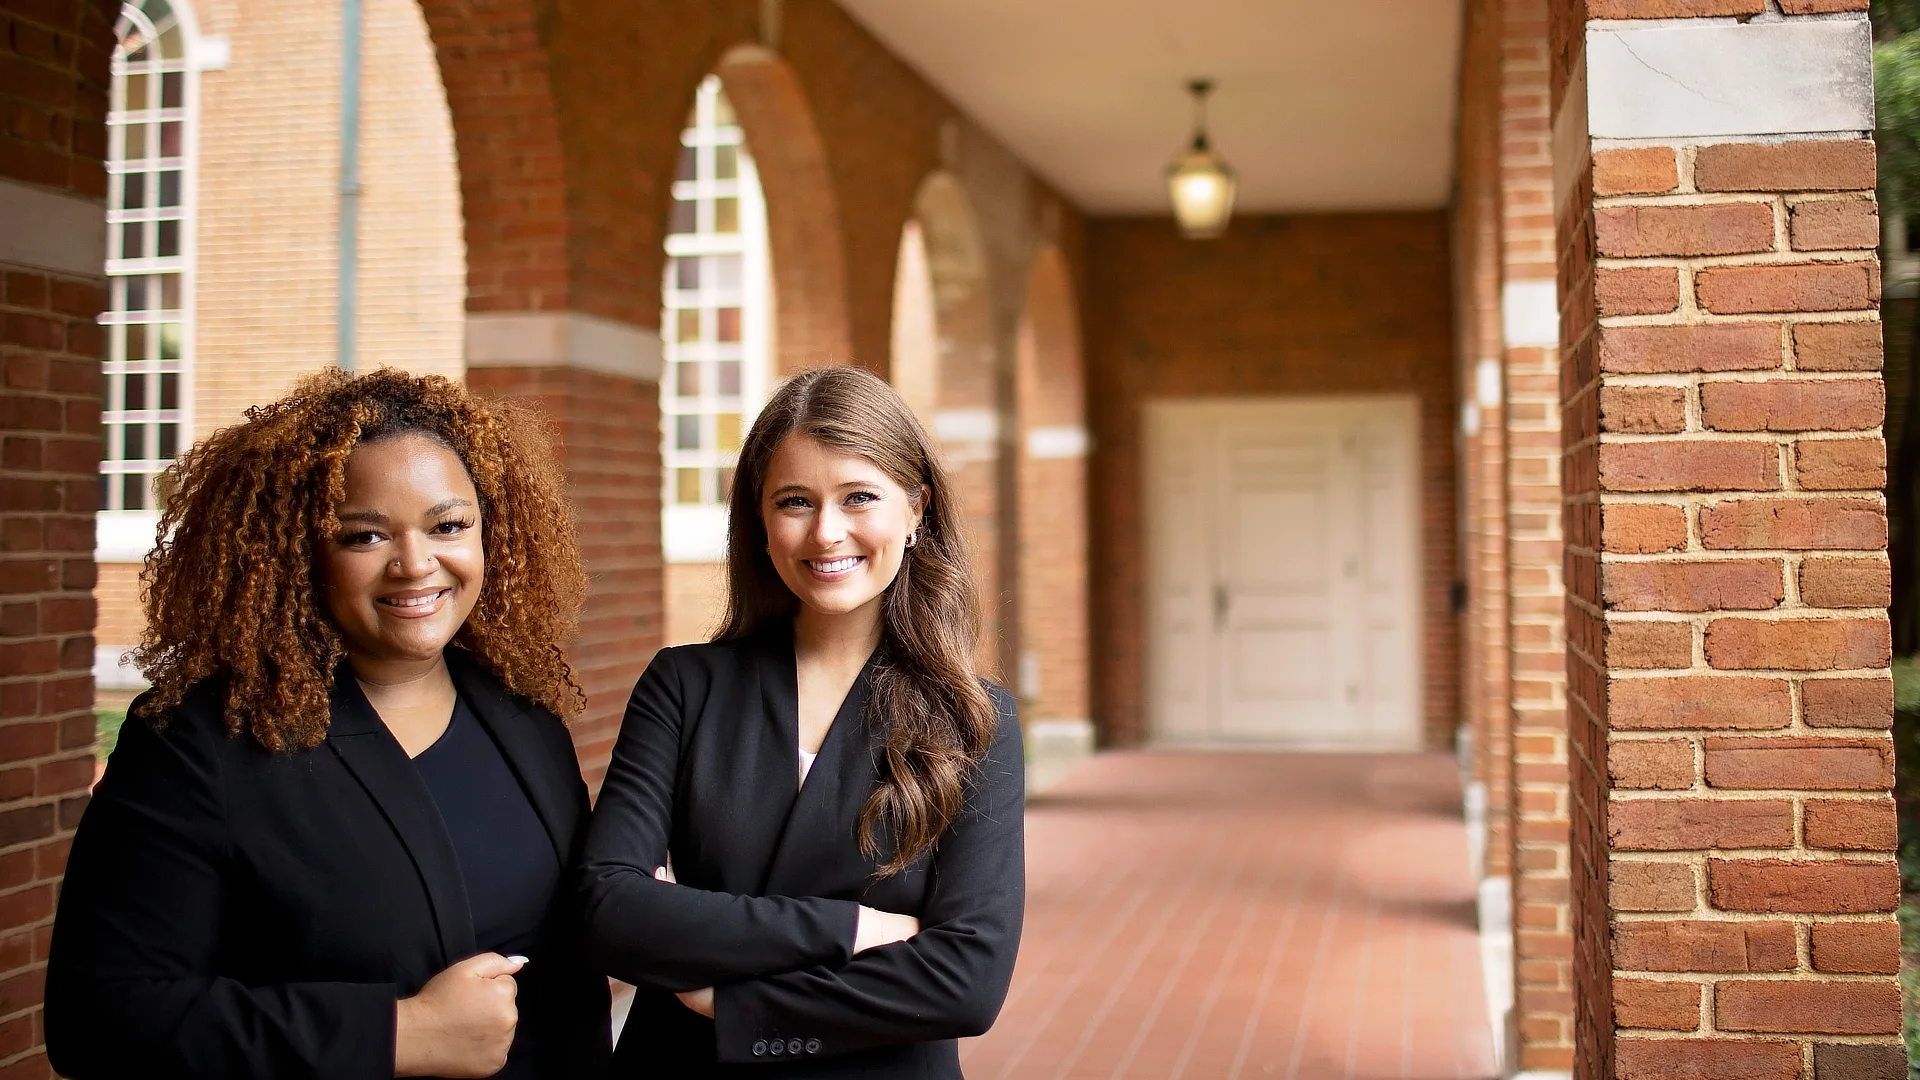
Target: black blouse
{"points": [[505, 857]]}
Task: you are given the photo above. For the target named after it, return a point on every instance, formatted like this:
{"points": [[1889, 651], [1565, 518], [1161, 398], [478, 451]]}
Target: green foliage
{"points": [[106, 730], [1891, 17], [1896, 92]]}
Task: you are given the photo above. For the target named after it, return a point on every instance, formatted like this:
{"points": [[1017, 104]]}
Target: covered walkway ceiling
{"points": [[1346, 106]]}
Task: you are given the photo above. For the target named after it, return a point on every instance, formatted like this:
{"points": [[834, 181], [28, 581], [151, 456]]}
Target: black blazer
{"points": [[706, 767], [234, 913]]}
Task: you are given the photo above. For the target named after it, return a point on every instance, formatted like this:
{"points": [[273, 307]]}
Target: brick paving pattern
{"points": [[1215, 915]]}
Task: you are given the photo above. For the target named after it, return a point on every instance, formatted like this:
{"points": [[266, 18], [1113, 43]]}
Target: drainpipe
{"points": [[349, 239]]}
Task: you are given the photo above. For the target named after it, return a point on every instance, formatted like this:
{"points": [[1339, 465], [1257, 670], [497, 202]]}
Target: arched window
{"points": [[149, 266], [715, 324]]}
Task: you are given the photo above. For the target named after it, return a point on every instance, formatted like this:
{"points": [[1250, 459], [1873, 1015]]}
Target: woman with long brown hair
{"points": [[336, 838], [808, 852]]}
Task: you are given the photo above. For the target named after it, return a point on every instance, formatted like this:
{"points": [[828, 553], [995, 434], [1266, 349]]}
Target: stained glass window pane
{"points": [[714, 282], [686, 486]]}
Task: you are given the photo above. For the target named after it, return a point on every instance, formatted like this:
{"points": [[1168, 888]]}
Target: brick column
{"points": [[1732, 864], [1481, 447], [598, 383], [1541, 1034], [53, 89]]}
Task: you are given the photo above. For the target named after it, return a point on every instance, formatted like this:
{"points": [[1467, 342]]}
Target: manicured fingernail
{"points": [[517, 960]]}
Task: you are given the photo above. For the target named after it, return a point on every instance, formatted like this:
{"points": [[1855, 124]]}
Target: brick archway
{"points": [[1051, 517], [507, 140], [970, 404], [803, 214]]}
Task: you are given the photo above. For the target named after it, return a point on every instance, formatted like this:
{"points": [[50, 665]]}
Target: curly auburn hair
{"points": [[232, 591]]}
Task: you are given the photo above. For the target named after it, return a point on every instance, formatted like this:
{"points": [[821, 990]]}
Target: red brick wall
{"points": [[1052, 519], [1483, 523], [53, 93], [1280, 305], [1733, 839], [608, 430], [1543, 919], [567, 132]]}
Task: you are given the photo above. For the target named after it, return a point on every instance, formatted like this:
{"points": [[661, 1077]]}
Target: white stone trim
{"points": [[1496, 961], [1488, 385], [52, 230], [1682, 79], [562, 339], [113, 670], [1530, 314], [966, 426], [1058, 442], [1055, 747], [694, 532], [124, 536], [211, 53]]}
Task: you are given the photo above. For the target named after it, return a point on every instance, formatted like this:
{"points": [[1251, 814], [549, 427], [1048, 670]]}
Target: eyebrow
{"points": [[375, 517], [804, 489]]}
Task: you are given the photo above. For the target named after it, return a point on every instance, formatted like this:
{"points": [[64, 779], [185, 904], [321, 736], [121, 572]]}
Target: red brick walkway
{"points": [[1246, 915]]}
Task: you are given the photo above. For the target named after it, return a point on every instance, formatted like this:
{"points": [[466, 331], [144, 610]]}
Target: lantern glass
{"points": [[1201, 187]]}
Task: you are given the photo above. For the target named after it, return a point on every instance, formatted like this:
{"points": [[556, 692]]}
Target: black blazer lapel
{"points": [[371, 753], [821, 830], [547, 777]]}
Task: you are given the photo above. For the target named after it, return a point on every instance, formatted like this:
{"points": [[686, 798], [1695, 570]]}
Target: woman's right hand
{"points": [[875, 928], [461, 1023]]}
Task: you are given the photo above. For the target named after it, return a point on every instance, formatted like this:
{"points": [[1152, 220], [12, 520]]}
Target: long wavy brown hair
{"points": [[930, 709], [233, 591]]}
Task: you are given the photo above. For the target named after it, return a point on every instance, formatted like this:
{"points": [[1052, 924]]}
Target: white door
{"points": [[1283, 595]]}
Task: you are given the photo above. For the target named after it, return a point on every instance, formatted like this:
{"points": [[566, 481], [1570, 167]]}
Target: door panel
{"points": [[1282, 596]]}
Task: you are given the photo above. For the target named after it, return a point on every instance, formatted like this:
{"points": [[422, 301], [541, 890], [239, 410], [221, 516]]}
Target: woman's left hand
{"points": [[701, 1000]]}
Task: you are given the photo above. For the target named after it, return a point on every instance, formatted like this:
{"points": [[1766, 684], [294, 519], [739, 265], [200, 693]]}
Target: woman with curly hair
{"points": [[332, 839], [808, 852]]}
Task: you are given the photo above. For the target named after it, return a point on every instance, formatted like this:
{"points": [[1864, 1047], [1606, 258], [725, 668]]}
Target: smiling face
{"points": [[408, 564], [836, 525]]}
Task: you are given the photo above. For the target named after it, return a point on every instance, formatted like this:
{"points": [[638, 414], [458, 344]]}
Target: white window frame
{"points": [[127, 535], [696, 532]]}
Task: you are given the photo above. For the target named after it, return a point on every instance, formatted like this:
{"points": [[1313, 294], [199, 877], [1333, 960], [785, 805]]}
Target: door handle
{"points": [[1220, 604]]}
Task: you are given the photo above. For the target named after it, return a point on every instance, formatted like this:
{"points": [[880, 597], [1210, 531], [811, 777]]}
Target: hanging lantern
{"points": [[1199, 183]]}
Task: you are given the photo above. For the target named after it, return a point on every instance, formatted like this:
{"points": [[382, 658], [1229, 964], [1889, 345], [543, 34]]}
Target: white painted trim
{"points": [[211, 53], [694, 533], [1681, 79], [113, 670], [1470, 418], [1058, 442], [1530, 314], [52, 230], [1488, 385], [1496, 961], [562, 339], [966, 426], [1055, 748], [124, 536]]}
